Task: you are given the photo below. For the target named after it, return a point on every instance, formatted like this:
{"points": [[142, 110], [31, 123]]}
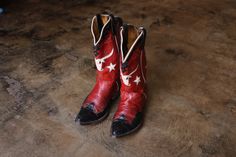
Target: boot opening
{"points": [[98, 23], [130, 36]]}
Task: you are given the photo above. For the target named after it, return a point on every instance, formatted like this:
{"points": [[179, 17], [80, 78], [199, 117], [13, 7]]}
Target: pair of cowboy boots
{"points": [[121, 70]]}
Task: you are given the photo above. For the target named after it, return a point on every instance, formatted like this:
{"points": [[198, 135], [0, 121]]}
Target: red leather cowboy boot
{"points": [[105, 29], [128, 116]]}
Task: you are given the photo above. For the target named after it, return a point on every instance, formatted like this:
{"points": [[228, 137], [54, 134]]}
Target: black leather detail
{"points": [[96, 49], [124, 66], [120, 127], [87, 115]]}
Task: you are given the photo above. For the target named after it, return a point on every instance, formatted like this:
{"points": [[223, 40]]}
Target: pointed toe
{"points": [[105, 30], [77, 118], [119, 128], [88, 116], [133, 91]]}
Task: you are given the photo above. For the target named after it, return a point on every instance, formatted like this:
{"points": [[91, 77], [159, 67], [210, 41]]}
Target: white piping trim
{"points": [[131, 48], [94, 38], [121, 44], [141, 62], [134, 70], [131, 72]]}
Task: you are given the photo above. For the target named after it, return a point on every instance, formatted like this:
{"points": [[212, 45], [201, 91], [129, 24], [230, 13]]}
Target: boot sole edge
{"points": [[129, 132], [95, 121]]}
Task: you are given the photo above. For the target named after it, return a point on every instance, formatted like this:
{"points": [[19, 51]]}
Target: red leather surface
{"points": [[106, 80], [133, 96]]}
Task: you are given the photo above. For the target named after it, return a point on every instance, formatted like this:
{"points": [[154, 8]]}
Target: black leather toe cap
{"points": [[120, 127], [86, 115]]}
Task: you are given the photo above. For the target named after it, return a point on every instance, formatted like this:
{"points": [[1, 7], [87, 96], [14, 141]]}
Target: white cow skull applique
{"points": [[99, 62], [125, 78]]}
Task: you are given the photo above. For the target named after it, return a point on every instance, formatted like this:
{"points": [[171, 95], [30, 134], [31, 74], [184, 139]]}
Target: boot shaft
{"points": [[133, 59], [106, 50]]}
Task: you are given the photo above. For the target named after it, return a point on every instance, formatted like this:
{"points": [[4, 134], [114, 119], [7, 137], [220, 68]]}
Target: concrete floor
{"points": [[46, 71]]}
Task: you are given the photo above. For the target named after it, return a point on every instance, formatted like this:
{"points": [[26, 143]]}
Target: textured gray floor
{"points": [[46, 70]]}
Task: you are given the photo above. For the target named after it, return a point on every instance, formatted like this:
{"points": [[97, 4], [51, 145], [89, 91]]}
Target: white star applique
{"points": [[111, 67], [137, 80]]}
